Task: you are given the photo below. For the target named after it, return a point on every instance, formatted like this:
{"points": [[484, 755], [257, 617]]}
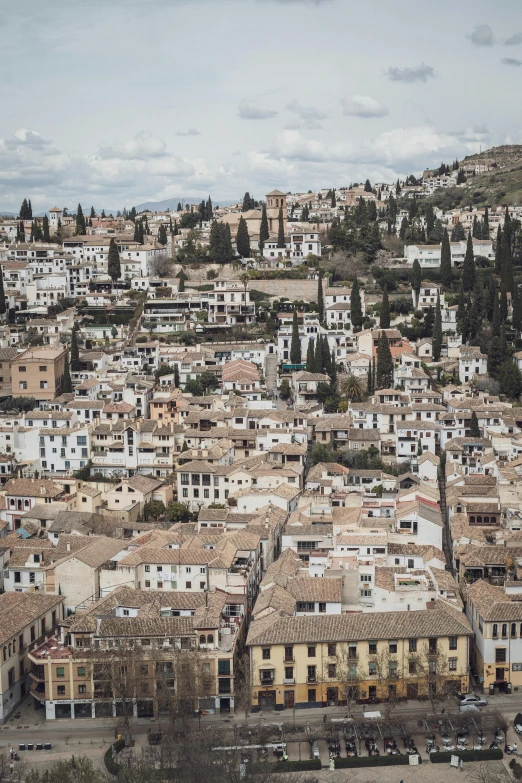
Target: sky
{"points": [[119, 102]]}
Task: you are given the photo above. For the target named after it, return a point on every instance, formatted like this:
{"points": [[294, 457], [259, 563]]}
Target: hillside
{"points": [[502, 184]]}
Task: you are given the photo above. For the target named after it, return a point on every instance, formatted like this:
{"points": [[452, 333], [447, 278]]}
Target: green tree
{"points": [[320, 298], [503, 307], [499, 255], [208, 381], [495, 357], [295, 345], [445, 260], [284, 389], [474, 426], [485, 224], [310, 356], [384, 363], [113, 261], [510, 379], [3, 306], [416, 279], [437, 331], [162, 234], [384, 320], [243, 239], [176, 376], [66, 381], [468, 269], [263, 230], [367, 186], [351, 387], [280, 229], [75, 351], [429, 322], [318, 358], [80, 221], [356, 315], [177, 512], [458, 234], [194, 387], [46, 236], [495, 320], [154, 509], [182, 277]]}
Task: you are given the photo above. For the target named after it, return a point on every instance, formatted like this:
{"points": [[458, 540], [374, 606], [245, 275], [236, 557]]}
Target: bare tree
{"points": [[243, 685], [346, 266], [162, 267], [430, 668]]}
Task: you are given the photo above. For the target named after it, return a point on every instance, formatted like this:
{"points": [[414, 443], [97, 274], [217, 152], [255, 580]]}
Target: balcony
{"points": [[311, 678], [289, 681], [267, 680]]}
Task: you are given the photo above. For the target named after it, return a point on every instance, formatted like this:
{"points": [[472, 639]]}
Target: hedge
{"points": [[287, 766], [488, 754], [112, 766], [373, 761]]}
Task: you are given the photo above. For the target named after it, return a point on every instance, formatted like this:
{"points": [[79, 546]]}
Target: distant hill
{"points": [[501, 184], [172, 203]]}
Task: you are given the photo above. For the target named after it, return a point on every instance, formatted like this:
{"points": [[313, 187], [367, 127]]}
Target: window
{"points": [[23, 385], [412, 667], [372, 668], [372, 648], [392, 647], [266, 653], [332, 670], [311, 651], [412, 645], [495, 631], [188, 585], [453, 642], [289, 672], [42, 368], [311, 694], [81, 671], [60, 690], [60, 671], [43, 384], [500, 655], [322, 608], [392, 668], [289, 653], [22, 369], [82, 689], [452, 664], [147, 569], [311, 674], [513, 630], [504, 630], [332, 648]]}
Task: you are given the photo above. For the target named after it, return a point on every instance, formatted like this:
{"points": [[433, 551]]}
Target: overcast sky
{"points": [[121, 101]]}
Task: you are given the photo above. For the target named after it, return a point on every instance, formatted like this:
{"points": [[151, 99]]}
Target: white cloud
{"points": [[189, 132], [482, 35], [306, 117], [143, 145], [512, 61], [363, 106], [249, 110], [419, 73]]}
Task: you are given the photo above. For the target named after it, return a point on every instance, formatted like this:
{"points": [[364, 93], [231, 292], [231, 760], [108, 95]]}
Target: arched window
{"points": [[210, 638], [486, 520], [479, 520], [504, 630], [202, 639], [495, 630], [513, 629], [471, 519]]}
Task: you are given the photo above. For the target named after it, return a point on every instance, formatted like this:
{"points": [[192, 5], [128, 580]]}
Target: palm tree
{"points": [[351, 387], [244, 278]]}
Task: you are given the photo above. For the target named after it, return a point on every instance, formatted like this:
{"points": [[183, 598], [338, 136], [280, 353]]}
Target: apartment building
{"points": [[38, 373]]}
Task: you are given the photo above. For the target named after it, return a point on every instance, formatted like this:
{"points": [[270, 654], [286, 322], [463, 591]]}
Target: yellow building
{"points": [[38, 373], [331, 659]]}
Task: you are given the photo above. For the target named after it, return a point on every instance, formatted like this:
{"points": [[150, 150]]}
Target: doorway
{"points": [[289, 700], [267, 700], [332, 696]]}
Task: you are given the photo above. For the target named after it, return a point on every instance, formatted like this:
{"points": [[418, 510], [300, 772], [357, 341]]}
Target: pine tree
{"points": [[66, 380], [46, 236], [474, 429], [113, 261], [243, 239], [468, 269], [445, 260], [437, 331], [320, 299], [93, 213], [310, 356], [416, 280], [162, 234], [280, 229], [384, 320], [263, 230], [75, 351], [80, 221], [3, 307], [176, 376], [295, 345], [384, 363], [356, 315]]}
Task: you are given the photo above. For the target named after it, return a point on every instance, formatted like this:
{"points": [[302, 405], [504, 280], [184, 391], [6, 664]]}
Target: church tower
{"points": [[274, 201]]}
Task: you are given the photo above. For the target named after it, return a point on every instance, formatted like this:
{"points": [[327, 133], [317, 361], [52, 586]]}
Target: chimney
{"points": [[68, 546]]}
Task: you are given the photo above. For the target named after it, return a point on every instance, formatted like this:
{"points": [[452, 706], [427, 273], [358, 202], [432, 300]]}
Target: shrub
{"points": [[517, 770], [112, 767], [141, 339], [444, 757], [512, 763], [287, 766], [373, 761]]}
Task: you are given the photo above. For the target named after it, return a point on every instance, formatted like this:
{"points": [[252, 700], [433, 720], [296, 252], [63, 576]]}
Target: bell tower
{"points": [[274, 202]]}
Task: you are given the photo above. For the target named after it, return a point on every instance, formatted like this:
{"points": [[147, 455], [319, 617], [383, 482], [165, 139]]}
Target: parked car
{"points": [[471, 698]]}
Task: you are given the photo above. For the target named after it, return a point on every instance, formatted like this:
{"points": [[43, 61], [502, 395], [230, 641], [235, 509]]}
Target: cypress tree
{"points": [[384, 363], [494, 356], [474, 426], [495, 319], [320, 299], [437, 331], [333, 372], [23, 210], [369, 385], [318, 357], [476, 229], [162, 235], [445, 260], [80, 221], [93, 213], [113, 261], [310, 356], [457, 234], [416, 280], [280, 229], [506, 272], [263, 230], [461, 309], [3, 307], [295, 345], [179, 208], [75, 352], [209, 209], [468, 269], [66, 381], [243, 239], [510, 379], [181, 285], [228, 244], [490, 298], [176, 376], [141, 232], [485, 224], [327, 359], [429, 322], [374, 373], [136, 231], [503, 308], [516, 303], [498, 252], [356, 315], [384, 320], [45, 229]]}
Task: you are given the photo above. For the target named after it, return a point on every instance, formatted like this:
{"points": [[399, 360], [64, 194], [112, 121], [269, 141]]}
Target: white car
{"points": [[470, 698]]}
